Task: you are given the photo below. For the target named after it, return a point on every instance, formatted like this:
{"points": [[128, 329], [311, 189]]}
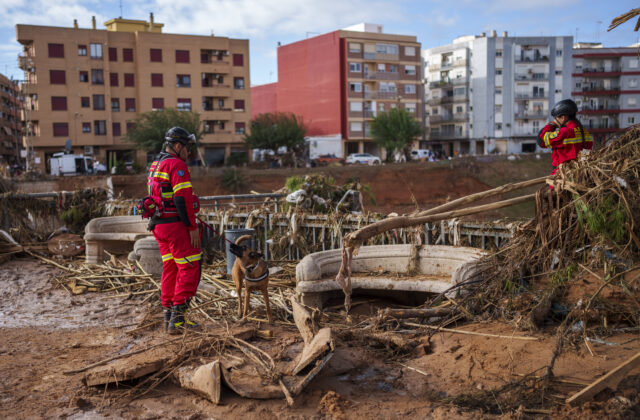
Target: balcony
{"points": [[443, 84], [436, 119], [381, 95], [527, 115], [382, 76], [448, 100], [526, 131], [526, 96], [446, 134], [614, 71], [26, 63], [532, 77], [598, 90], [369, 114], [380, 57], [534, 59], [599, 109]]}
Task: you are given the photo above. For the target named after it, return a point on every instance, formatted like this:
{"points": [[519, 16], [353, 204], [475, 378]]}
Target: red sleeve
{"points": [[554, 137], [181, 184]]}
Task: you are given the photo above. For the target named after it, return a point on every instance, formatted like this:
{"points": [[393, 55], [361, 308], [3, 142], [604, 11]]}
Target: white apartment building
{"points": [[492, 94], [606, 87]]}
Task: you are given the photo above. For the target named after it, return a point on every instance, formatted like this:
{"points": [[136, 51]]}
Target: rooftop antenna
{"points": [[598, 31], [120, 9]]}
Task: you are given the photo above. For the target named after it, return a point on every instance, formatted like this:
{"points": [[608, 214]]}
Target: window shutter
{"points": [[155, 55], [56, 50], [113, 54], [238, 60], [130, 104], [58, 103], [129, 79], [115, 127], [157, 103], [60, 129], [156, 79], [113, 79], [127, 54], [182, 56], [57, 77], [238, 104]]}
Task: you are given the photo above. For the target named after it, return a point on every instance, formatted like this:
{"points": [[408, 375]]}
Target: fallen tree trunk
{"points": [[357, 237]]}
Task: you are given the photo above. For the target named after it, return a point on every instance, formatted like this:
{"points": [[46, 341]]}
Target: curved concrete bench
{"points": [[439, 267], [115, 234], [147, 253]]}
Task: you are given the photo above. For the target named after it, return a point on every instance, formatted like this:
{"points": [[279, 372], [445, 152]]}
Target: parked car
{"points": [[364, 158], [418, 154], [324, 160]]}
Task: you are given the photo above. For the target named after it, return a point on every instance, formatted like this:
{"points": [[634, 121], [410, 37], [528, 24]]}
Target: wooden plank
{"points": [[610, 379]]}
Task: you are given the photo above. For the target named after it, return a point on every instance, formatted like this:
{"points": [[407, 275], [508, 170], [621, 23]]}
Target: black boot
{"points": [[167, 316], [178, 321]]}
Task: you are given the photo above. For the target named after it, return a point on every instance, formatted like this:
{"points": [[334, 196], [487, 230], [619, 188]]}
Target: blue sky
{"points": [[267, 22]]}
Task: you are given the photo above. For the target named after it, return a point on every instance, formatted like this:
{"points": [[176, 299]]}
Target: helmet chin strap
{"points": [[170, 146]]}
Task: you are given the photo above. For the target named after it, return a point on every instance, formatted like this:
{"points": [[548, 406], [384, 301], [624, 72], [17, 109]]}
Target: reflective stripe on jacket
{"points": [[565, 143]]}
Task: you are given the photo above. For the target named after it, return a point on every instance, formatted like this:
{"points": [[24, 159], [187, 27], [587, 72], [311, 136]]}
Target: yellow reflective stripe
{"points": [[167, 194], [189, 259], [181, 186], [548, 136], [162, 175], [167, 257]]}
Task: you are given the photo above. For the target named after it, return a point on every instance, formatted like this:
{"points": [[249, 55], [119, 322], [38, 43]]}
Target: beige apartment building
{"points": [[89, 85], [10, 125]]}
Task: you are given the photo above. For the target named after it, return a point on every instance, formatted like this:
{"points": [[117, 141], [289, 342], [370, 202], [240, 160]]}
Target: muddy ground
{"points": [[44, 332]]}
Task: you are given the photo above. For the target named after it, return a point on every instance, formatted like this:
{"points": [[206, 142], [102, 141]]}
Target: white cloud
{"points": [[49, 13], [265, 18]]}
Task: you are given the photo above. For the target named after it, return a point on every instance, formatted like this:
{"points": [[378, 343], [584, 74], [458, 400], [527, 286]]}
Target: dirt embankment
{"points": [[395, 187]]}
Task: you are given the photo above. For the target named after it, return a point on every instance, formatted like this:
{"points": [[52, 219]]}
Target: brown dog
{"points": [[251, 270]]}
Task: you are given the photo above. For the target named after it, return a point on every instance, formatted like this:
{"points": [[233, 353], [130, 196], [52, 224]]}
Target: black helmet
{"points": [[565, 107], [179, 135]]}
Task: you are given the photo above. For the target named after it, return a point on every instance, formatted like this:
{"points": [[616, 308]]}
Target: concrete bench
{"points": [[115, 234], [438, 268]]}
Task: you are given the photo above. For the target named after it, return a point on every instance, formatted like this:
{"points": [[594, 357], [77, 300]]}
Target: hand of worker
{"points": [[194, 236]]}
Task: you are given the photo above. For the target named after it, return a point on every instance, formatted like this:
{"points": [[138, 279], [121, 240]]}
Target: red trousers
{"points": [[180, 263]]}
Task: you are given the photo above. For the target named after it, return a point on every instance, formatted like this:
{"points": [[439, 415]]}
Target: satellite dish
{"points": [[67, 147]]}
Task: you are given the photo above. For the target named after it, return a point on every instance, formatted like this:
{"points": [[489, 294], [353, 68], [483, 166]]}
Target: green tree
{"points": [[395, 131], [273, 130], [150, 127]]}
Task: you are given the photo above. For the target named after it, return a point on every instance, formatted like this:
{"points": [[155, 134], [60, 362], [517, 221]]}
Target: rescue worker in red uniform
{"points": [[174, 227], [565, 135]]}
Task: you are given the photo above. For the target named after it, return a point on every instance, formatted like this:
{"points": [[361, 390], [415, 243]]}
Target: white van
{"points": [[421, 154]]}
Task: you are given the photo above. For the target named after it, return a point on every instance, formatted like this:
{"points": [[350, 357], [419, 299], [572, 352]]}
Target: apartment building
{"points": [[10, 124], [89, 85], [606, 88], [492, 94], [339, 81]]}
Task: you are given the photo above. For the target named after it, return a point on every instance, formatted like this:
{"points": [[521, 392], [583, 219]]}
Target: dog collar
{"points": [[262, 277]]}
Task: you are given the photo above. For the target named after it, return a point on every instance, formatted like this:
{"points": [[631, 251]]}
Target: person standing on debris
{"points": [[174, 227], [565, 135]]}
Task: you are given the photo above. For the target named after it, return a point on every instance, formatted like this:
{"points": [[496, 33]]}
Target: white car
{"points": [[364, 158]]}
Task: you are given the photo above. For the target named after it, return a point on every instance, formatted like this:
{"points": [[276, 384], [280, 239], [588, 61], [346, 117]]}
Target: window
{"points": [[115, 104], [238, 105], [115, 128], [558, 53], [97, 77], [393, 68], [631, 120], [356, 126], [410, 89], [127, 54], [410, 51], [382, 67], [240, 127], [631, 101], [182, 56], [355, 47], [184, 104], [113, 79], [355, 106], [498, 72], [498, 126], [633, 82], [98, 102], [82, 50], [238, 82], [96, 51], [130, 126], [156, 79], [410, 107], [113, 54], [100, 127], [130, 104], [578, 85], [410, 70], [56, 50], [157, 104], [458, 109], [387, 87], [238, 60], [58, 103], [498, 53], [84, 76], [633, 63], [355, 67], [498, 108], [60, 129], [86, 127], [381, 106], [558, 72], [355, 87], [183, 80], [460, 91], [57, 77], [85, 102], [129, 79], [498, 91], [155, 55], [388, 49]]}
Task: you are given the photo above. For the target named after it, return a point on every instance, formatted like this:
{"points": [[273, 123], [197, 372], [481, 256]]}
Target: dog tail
{"points": [[243, 238]]}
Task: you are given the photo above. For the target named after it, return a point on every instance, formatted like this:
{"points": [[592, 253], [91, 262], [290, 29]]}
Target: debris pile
{"points": [[319, 194]]}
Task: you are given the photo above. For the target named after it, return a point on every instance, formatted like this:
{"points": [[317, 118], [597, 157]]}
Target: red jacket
{"points": [[169, 181], [565, 143]]}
